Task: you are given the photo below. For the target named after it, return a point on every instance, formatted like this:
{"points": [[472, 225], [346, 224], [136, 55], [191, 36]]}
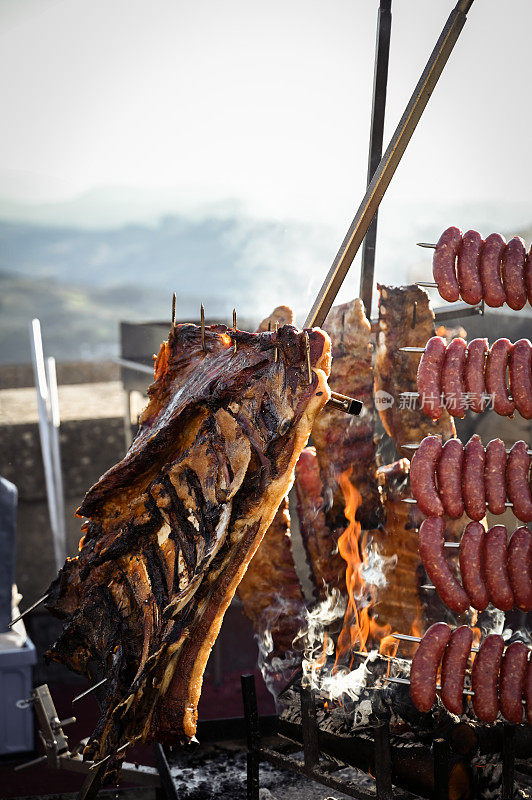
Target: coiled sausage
{"points": [[496, 367], [496, 568], [425, 663], [490, 270], [423, 476], [443, 264], [429, 377], [449, 473], [520, 372], [471, 558], [452, 378], [485, 676], [473, 479], [517, 485], [454, 668], [432, 552], [495, 476], [475, 384], [469, 267], [513, 273], [520, 567]]}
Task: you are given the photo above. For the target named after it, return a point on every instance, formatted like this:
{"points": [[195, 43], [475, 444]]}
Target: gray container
{"points": [[16, 681]]}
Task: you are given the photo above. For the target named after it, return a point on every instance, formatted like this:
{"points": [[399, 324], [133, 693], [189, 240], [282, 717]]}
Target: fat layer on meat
{"points": [[173, 526]]}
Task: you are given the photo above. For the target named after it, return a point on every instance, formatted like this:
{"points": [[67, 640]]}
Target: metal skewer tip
{"points": [[426, 244], [407, 637], [173, 309], [202, 315], [38, 603], [411, 349], [427, 284], [276, 349], [307, 353], [406, 682], [234, 328], [89, 690]]}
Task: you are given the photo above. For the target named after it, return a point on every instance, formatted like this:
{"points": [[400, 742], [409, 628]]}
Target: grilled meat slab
{"points": [[345, 442], [173, 526]]}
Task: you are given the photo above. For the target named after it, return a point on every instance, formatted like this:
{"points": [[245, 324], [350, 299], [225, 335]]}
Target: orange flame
{"points": [[359, 626]]}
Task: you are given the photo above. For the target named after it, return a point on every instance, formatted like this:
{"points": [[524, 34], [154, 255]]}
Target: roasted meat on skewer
{"points": [[173, 526]]}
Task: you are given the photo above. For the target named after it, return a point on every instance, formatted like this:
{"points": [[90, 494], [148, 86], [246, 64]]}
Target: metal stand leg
{"points": [[383, 761], [508, 765], [251, 714], [311, 746]]}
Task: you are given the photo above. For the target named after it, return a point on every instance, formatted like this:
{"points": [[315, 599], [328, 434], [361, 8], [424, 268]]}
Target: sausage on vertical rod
{"points": [[444, 264], [520, 567], [472, 565], [484, 678], [424, 669]]}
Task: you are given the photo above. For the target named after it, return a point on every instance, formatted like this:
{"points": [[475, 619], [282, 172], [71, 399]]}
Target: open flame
{"points": [[360, 628]]}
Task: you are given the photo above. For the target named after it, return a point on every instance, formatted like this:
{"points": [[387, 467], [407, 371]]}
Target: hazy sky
{"points": [[266, 104]]}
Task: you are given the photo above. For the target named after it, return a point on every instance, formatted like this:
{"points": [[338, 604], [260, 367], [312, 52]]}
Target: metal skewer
{"points": [[415, 445], [411, 349], [406, 682], [202, 316], [413, 501], [388, 164], [275, 349], [307, 353], [37, 603], [234, 328], [103, 760], [426, 244], [89, 690], [173, 309], [407, 637]]}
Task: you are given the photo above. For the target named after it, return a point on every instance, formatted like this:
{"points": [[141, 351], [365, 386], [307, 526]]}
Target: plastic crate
{"points": [[16, 682]]}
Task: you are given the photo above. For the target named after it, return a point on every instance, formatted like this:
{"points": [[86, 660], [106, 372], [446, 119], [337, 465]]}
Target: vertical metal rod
{"points": [[388, 164], [251, 716], [55, 449], [43, 405], [383, 761], [234, 328], [202, 314], [311, 748], [508, 762], [440, 750], [173, 308], [380, 85]]}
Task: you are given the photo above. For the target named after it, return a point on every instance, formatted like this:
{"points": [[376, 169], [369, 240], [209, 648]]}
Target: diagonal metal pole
{"points": [[388, 164], [380, 85]]}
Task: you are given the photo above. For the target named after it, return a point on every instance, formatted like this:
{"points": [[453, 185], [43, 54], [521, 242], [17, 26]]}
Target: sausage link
{"points": [[513, 273], [443, 264], [496, 367], [528, 275], [423, 476], [473, 479], [495, 476], [452, 378], [528, 692], [475, 384], [454, 668], [469, 267], [512, 681], [432, 552], [520, 567], [517, 485], [424, 669], [521, 377], [496, 568], [490, 270], [429, 377], [472, 565], [484, 678], [449, 473]]}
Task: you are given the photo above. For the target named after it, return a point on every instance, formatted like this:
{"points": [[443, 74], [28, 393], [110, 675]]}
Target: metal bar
{"points": [[380, 85], [165, 773], [383, 760], [55, 449], [135, 365], [508, 762], [388, 164], [441, 769], [43, 405], [457, 310], [311, 748], [251, 714]]}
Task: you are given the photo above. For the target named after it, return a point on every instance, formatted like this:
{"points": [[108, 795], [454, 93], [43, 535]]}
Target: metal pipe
{"points": [[380, 85], [388, 164], [55, 449]]}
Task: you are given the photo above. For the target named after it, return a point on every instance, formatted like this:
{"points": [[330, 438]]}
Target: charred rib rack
{"points": [[173, 526]]}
